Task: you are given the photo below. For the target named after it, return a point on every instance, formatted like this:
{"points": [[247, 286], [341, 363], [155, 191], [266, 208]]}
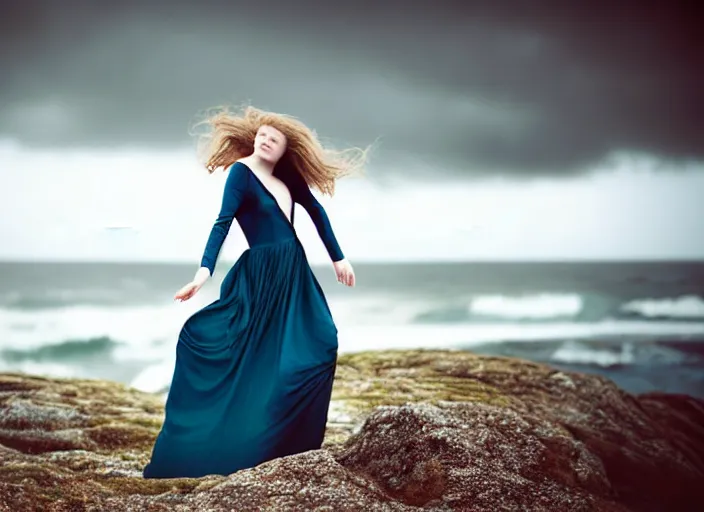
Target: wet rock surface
{"points": [[407, 430]]}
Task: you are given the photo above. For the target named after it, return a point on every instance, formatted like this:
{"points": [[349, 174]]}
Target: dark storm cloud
{"points": [[525, 87]]}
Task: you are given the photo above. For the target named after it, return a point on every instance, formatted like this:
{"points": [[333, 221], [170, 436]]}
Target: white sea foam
{"points": [[577, 353], [580, 352], [41, 368], [136, 326], [378, 309], [156, 377], [538, 306], [353, 339], [686, 306]]}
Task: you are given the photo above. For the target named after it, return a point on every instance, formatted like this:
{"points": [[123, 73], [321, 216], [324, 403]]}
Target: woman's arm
{"points": [[233, 194], [320, 218]]}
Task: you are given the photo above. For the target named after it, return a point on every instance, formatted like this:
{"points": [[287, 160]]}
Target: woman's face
{"points": [[269, 144]]}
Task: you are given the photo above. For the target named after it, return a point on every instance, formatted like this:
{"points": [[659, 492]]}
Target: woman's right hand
{"points": [[187, 291]]}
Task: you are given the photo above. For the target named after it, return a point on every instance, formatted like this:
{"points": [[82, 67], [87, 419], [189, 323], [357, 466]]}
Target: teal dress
{"points": [[254, 369]]}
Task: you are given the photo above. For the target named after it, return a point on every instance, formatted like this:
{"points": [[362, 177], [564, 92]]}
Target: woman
{"points": [[254, 369]]}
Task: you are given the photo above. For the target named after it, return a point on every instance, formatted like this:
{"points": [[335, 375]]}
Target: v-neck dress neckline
{"points": [[271, 195]]}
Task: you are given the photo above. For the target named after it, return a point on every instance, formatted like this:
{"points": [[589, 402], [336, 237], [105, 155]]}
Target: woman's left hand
{"points": [[344, 272]]}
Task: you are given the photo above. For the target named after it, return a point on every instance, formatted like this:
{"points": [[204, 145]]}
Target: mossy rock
{"points": [[437, 429]]}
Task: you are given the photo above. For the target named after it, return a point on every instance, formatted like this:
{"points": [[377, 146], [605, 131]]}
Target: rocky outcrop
{"points": [[408, 430]]}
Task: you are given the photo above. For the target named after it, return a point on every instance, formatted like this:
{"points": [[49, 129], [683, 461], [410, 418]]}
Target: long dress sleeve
{"points": [[317, 213], [233, 194]]}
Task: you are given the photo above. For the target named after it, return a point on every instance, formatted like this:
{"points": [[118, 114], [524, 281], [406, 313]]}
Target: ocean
{"points": [[639, 324]]}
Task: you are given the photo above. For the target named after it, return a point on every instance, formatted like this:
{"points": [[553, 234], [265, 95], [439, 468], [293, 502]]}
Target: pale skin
{"points": [[269, 147]]}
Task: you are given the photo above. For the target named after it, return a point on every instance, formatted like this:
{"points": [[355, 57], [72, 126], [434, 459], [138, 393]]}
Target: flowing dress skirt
{"points": [[254, 370]]}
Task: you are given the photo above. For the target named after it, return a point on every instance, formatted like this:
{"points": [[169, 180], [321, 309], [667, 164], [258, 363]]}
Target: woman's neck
{"points": [[260, 164]]}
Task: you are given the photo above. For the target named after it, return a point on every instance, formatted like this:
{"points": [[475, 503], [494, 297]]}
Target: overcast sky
{"points": [[600, 104]]}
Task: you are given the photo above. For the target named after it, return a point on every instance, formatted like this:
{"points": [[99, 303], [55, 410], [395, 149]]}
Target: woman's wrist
{"points": [[202, 276]]}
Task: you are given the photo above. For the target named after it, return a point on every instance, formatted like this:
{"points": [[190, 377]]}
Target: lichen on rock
{"points": [[407, 430]]}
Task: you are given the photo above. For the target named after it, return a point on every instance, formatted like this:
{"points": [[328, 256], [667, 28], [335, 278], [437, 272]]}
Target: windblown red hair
{"points": [[232, 137]]}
